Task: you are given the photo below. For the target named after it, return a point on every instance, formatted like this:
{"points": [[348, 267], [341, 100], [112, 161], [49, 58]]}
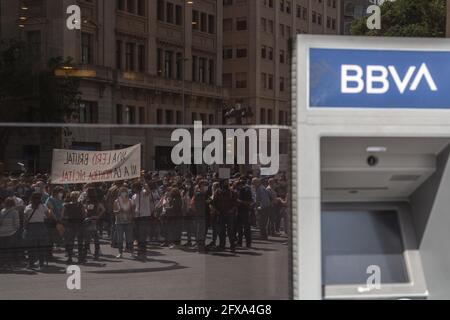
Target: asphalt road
{"points": [[261, 272]]}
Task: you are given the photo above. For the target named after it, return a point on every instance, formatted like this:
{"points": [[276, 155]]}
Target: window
{"points": [[211, 119], [211, 70], [270, 51], [195, 20], [263, 81], [179, 117], [271, 26], [282, 30], [281, 118], [241, 24], [159, 116], [179, 15], [263, 52], [119, 54], [314, 17], [211, 24], [319, 19], [129, 56], [141, 58], [281, 84], [270, 82], [202, 70], [131, 115], [141, 7], [264, 24], [203, 22], [180, 65], [159, 61], [241, 80], [86, 48], [119, 114], [270, 116], [168, 60], [130, 6], [142, 115], [160, 10], [169, 117], [194, 68], [121, 5], [263, 116], [88, 112], [169, 12], [241, 53], [227, 53], [282, 59]]}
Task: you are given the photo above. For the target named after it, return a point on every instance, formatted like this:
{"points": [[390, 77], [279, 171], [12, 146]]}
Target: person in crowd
{"points": [[41, 187], [94, 210], [225, 204], [199, 209], [73, 215], [187, 194], [263, 206], [244, 204], [123, 211], [55, 204], [35, 231], [144, 205], [274, 209], [171, 212], [155, 223], [213, 218], [9, 228], [110, 197]]}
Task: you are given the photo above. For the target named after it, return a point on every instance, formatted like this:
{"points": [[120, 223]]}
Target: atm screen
{"points": [[352, 241]]}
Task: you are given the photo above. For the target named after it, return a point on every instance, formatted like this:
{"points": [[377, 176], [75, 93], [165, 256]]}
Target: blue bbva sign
{"points": [[351, 78]]}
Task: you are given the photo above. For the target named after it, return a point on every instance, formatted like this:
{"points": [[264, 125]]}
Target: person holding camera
{"points": [[144, 205]]}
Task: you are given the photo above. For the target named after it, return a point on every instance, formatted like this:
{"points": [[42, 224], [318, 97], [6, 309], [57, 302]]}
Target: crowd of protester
{"points": [[174, 211]]}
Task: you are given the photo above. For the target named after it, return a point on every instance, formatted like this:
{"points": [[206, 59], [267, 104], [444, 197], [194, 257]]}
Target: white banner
{"points": [[74, 166]]}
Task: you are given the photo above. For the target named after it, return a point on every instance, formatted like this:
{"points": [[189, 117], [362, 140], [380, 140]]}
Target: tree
{"points": [[407, 18], [29, 91]]}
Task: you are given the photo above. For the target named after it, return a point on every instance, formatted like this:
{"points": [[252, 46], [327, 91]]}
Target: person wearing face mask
{"points": [[35, 232], [123, 210]]}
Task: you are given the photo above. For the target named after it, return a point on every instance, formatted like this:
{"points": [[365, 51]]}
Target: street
{"points": [[261, 272]]}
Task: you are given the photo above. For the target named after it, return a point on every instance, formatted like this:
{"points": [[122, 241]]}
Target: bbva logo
{"points": [[377, 80]]}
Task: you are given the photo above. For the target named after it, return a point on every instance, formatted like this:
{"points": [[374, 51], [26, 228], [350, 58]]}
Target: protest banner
{"points": [[80, 167]]}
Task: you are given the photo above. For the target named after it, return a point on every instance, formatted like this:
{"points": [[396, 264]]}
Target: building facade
{"points": [[135, 58]]}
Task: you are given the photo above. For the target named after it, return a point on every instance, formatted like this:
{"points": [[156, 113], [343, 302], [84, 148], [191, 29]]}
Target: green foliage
{"points": [[407, 18], [29, 90]]}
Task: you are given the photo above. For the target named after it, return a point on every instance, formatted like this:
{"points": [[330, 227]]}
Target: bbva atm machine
{"points": [[372, 177]]}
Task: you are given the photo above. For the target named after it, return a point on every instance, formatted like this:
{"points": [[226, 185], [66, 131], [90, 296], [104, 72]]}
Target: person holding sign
{"points": [[123, 211]]}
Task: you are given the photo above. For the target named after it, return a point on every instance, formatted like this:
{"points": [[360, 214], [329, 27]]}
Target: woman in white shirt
{"points": [[36, 235], [9, 227]]}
